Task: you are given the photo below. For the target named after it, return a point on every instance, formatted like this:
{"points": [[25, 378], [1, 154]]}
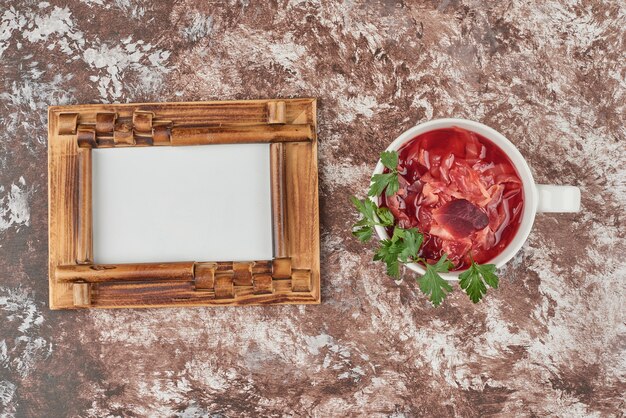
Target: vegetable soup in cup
{"points": [[469, 191]]}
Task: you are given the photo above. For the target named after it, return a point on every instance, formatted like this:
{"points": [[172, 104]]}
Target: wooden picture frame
{"points": [[292, 276]]}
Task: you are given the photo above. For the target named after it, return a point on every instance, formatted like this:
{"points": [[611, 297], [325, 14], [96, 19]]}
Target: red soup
{"points": [[461, 191]]}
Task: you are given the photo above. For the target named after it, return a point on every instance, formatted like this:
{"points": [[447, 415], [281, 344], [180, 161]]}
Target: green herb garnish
{"points": [[372, 216], [403, 246], [389, 180], [474, 280], [432, 284]]}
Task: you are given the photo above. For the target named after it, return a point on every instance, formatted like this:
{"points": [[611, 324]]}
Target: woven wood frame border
{"points": [[292, 276]]}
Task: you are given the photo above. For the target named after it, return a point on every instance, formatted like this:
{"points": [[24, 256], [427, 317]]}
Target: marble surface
{"points": [[551, 341]]}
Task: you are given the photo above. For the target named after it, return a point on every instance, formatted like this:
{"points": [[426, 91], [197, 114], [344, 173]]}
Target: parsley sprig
{"points": [[404, 245], [473, 280], [388, 181], [372, 216]]}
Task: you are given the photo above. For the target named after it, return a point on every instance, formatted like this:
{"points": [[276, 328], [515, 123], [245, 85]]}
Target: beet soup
{"points": [[461, 191]]}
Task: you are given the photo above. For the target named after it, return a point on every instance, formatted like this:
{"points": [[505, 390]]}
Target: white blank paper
{"points": [[193, 203]]}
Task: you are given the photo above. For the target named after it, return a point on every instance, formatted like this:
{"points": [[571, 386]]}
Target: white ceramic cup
{"points": [[537, 197]]}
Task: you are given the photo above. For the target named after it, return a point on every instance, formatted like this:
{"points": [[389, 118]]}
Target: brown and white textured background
{"points": [[551, 76]]}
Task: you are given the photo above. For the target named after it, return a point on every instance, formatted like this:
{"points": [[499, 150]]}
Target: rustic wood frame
{"points": [[292, 276]]}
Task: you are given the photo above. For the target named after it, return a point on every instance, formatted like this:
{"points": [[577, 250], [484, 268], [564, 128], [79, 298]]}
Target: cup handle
{"points": [[552, 198]]}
